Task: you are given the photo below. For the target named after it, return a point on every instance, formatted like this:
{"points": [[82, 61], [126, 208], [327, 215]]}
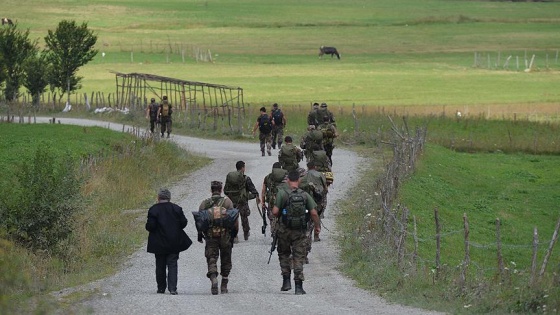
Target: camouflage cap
{"points": [[323, 104]]}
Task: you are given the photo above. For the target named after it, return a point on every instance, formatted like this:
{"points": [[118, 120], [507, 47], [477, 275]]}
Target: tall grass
{"points": [[120, 186], [519, 189]]}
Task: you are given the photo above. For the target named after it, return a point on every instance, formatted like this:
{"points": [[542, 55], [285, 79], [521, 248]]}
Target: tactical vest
{"points": [[294, 213]]}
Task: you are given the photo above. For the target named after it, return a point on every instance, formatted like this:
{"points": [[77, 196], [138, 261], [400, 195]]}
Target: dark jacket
{"points": [[166, 222]]}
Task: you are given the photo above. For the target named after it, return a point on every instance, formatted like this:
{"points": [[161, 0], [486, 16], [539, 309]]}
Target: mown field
{"points": [[399, 57], [393, 52]]}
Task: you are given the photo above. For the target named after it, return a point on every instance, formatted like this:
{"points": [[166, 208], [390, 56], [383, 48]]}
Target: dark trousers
{"points": [[153, 123], [168, 261]]}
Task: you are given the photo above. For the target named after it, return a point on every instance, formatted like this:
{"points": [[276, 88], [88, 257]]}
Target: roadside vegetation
{"points": [[64, 220]]}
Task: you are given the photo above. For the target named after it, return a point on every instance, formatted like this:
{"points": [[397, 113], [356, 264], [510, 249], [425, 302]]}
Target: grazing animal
{"points": [[7, 21], [328, 51]]}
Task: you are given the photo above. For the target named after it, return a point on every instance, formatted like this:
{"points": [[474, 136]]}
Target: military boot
{"points": [[299, 287], [286, 285], [214, 287], [223, 287]]}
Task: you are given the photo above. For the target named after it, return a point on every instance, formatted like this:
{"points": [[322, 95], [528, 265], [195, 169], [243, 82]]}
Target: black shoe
{"points": [[161, 291], [263, 153], [299, 287], [286, 284], [223, 286], [214, 287], [246, 235], [167, 135], [173, 292], [274, 147]]}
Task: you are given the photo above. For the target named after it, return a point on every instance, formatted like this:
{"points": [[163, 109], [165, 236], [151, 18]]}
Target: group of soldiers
{"points": [[293, 199], [160, 114]]}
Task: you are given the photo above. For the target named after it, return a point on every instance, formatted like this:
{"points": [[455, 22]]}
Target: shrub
{"points": [[40, 205]]}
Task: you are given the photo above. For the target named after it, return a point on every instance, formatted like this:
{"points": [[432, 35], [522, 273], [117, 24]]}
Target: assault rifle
{"points": [[273, 245], [263, 215]]}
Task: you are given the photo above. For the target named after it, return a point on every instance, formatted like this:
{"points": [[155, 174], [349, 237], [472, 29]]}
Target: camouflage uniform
{"points": [[265, 139], [242, 204], [269, 187], [165, 121], [292, 244], [310, 141], [218, 246], [278, 124]]}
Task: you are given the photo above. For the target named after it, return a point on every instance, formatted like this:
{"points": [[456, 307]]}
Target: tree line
{"points": [[23, 63]]}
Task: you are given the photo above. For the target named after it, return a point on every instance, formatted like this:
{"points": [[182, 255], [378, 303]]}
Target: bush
{"points": [[39, 207]]}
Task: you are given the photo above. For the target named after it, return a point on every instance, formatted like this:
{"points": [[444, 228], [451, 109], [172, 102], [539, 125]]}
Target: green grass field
{"points": [[393, 52]]}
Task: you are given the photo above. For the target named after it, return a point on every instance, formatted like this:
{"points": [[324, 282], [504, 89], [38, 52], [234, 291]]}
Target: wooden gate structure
{"points": [[190, 98]]}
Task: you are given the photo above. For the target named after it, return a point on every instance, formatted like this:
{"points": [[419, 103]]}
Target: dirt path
{"points": [[254, 285]]}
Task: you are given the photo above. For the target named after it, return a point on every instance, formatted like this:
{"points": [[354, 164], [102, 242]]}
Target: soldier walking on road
{"points": [[293, 208], [270, 188], [152, 114], [240, 189], [312, 118], [218, 236], [164, 114], [278, 124], [265, 131], [289, 155]]}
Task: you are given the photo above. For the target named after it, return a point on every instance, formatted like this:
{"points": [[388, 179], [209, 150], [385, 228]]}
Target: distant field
{"points": [[403, 52]]}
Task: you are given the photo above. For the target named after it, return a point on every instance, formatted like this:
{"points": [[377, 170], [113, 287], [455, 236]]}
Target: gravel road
{"points": [[254, 286]]}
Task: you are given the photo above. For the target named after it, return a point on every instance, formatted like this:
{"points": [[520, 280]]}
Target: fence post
{"points": [[499, 249], [467, 259], [415, 235], [550, 246], [534, 260], [438, 242]]}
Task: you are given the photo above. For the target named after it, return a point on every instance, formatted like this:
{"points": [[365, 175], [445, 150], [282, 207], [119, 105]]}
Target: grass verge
{"points": [[109, 227]]}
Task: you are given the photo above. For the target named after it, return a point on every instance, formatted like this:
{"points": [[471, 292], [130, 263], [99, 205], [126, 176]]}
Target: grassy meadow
{"points": [[401, 52], [412, 58]]}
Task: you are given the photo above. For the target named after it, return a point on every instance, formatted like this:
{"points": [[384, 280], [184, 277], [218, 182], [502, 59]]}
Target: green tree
{"points": [[68, 48], [15, 48], [36, 76]]}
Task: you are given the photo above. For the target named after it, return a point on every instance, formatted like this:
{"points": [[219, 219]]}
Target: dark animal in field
{"points": [[7, 21], [324, 50]]}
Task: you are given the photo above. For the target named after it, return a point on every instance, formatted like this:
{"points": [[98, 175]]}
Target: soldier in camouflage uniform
{"points": [[241, 196], [312, 118], [292, 241], [270, 187], [217, 246]]}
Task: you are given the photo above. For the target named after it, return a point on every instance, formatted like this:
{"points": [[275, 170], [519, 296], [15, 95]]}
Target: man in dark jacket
{"points": [[167, 239]]}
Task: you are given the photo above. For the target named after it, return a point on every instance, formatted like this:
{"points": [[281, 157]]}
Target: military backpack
{"points": [[294, 214], [311, 183], [165, 110], [236, 187], [288, 157], [274, 179]]}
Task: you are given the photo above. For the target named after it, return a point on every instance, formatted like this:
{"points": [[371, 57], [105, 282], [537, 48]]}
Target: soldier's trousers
{"points": [[218, 248], [329, 147], [244, 213], [265, 139], [277, 136], [292, 248], [165, 125]]}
